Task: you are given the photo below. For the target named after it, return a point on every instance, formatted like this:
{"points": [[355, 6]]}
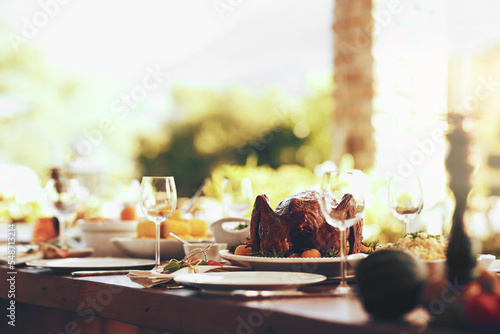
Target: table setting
{"points": [[311, 245]]}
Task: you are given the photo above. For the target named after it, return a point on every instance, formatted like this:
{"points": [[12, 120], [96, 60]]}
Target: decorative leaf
{"points": [[172, 266]]}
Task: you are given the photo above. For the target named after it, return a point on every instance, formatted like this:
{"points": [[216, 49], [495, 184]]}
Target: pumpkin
{"points": [[390, 283]]}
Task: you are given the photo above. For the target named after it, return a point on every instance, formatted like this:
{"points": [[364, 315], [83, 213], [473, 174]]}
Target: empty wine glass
{"points": [[63, 195], [405, 198], [342, 203], [158, 202], [236, 196]]}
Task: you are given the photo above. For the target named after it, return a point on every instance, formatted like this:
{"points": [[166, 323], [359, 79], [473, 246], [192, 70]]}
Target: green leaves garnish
{"points": [[241, 226], [172, 266], [192, 262]]}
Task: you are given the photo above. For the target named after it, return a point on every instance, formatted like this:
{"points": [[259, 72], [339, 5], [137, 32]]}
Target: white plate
{"points": [[329, 266], [91, 263], [257, 280], [145, 248]]}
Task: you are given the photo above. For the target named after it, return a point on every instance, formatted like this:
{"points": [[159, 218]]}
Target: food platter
{"points": [[328, 266], [258, 280]]}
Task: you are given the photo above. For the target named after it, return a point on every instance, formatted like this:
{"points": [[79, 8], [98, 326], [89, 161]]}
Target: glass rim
{"points": [[157, 177], [332, 172]]}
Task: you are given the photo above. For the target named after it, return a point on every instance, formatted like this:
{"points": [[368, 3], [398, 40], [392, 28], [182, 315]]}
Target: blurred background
{"points": [[277, 91]]}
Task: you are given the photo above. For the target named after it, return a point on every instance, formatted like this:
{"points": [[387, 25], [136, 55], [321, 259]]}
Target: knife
{"points": [[267, 293], [81, 273]]}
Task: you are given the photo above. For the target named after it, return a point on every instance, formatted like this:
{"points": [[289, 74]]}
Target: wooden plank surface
{"points": [[189, 311]]}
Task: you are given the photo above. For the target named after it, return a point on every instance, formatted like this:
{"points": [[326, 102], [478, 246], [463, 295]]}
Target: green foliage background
{"points": [[227, 127]]}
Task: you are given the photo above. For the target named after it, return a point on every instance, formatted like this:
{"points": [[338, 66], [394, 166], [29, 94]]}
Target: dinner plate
{"points": [[145, 248], [91, 263], [256, 280], [328, 266]]}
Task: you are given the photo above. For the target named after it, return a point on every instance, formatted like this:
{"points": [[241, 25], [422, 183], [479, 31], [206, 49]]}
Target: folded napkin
{"points": [[21, 255], [150, 278]]}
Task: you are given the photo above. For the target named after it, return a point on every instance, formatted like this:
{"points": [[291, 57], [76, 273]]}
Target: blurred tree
{"points": [[43, 106], [226, 127]]}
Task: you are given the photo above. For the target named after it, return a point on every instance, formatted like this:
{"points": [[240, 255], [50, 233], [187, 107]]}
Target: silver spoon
{"points": [[179, 239]]}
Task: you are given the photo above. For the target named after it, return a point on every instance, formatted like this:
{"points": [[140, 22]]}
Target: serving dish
{"points": [[328, 266]]}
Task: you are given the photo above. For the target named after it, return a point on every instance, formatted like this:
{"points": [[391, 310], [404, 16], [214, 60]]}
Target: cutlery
{"points": [[267, 293], [81, 273], [179, 239]]}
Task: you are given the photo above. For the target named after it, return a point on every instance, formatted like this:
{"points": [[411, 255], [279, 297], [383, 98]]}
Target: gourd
{"points": [[390, 283]]}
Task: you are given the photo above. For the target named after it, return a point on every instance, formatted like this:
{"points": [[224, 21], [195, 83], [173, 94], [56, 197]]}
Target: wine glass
{"points": [[158, 202], [63, 195], [342, 203], [405, 198], [236, 196]]}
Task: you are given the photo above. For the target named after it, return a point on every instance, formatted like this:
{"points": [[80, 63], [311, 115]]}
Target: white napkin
{"points": [[22, 254], [150, 278]]}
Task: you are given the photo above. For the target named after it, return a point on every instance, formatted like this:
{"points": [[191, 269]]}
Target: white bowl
{"points": [[223, 230], [98, 235], [145, 248], [354, 259], [485, 260], [212, 252]]}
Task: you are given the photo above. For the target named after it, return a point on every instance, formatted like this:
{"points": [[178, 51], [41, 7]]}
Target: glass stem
{"points": [[343, 264], [407, 224], [157, 244]]}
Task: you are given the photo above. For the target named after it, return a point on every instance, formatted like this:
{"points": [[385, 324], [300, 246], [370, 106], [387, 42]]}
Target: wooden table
{"points": [[47, 302]]}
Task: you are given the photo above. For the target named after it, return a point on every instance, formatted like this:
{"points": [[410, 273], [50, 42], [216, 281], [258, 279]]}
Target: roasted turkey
{"points": [[298, 224]]}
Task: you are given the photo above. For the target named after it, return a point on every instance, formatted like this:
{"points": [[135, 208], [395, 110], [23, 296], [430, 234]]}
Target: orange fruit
{"points": [[44, 229], [293, 255], [128, 213], [311, 253], [242, 250]]}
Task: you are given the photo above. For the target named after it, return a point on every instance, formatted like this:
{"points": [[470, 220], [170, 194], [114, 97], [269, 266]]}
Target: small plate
{"points": [[256, 280], [70, 264], [329, 266]]}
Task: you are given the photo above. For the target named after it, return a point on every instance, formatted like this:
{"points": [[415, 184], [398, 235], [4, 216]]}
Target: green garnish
{"points": [[241, 226], [416, 234], [330, 253], [271, 253], [174, 265]]}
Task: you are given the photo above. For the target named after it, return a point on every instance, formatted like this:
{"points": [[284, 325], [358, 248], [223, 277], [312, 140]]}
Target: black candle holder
{"points": [[461, 260]]}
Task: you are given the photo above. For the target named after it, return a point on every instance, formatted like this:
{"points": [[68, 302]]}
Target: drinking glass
{"points": [[337, 188], [63, 195], [158, 202], [236, 196], [405, 198]]}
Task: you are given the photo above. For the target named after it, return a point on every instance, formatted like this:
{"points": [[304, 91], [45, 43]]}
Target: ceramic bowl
{"points": [[98, 235], [485, 260], [224, 230]]}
